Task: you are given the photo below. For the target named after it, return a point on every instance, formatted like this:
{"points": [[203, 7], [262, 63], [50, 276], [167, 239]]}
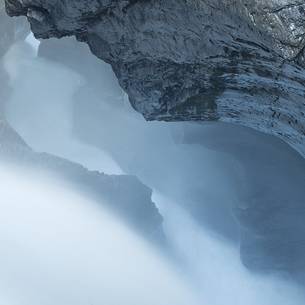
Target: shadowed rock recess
{"points": [[233, 61]]}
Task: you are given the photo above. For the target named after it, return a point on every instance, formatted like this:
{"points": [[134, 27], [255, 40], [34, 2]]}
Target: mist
{"points": [[59, 248], [40, 110], [75, 252]]}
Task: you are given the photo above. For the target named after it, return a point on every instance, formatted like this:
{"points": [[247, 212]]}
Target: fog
{"points": [[74, 252], [40, 109], [59, 248]]}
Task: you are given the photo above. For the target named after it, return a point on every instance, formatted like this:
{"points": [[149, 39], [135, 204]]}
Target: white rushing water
{"points": [[59, 248], [75, 253]]}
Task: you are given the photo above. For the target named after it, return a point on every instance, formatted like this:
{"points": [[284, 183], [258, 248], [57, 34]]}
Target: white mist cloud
{"points": [[59, 248], [40, 107]]}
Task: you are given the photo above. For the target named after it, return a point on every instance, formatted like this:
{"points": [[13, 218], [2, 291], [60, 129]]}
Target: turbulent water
{"points": [[74, 252]]}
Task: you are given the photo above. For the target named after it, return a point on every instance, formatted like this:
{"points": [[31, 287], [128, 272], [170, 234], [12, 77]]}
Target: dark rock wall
{"points": [[234, 61]]}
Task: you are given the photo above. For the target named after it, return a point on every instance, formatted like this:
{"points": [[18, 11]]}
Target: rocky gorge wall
{"points": [[240, 62], [232, 61]]}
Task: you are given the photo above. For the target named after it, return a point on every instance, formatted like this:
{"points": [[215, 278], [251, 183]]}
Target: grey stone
{"points": [[234, 61]]}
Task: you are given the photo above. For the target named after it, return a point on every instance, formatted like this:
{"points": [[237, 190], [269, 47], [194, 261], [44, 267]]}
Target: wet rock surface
{"points": [[239, 62]]}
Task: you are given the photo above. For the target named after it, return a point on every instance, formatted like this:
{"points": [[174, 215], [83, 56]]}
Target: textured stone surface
{"points": [[233, 61]]}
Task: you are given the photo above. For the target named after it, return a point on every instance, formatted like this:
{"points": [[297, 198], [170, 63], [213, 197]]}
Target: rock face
{"points": [[234, 61], [271, 209]]}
